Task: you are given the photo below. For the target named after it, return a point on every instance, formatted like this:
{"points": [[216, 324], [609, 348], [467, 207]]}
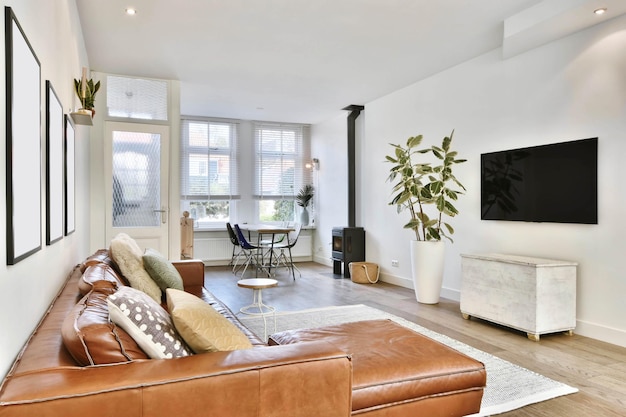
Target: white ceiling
{"points": [[289, 60]]}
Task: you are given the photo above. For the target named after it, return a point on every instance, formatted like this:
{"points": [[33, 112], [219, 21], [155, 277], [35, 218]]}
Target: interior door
{"points": [[136, 180]]}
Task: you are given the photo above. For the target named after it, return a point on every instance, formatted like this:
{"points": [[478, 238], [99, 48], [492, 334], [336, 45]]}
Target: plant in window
{"points": [[304, 197]]}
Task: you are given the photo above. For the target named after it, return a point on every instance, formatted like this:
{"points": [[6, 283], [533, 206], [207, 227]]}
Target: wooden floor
{"points": [[596, 368]]}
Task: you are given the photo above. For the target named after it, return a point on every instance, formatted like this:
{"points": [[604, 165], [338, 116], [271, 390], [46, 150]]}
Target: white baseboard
{"points": [[323, 260], [451, 294], [396, 280], [600, 332]]}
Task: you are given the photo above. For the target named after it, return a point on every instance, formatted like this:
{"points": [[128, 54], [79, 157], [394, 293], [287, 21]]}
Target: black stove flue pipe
{"points": [[355, 110]]}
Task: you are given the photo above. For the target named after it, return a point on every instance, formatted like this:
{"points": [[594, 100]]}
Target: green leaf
{"points": [[446, 142], [437, 153], [450, 209], [435, 187], [414, 141], [423, 217]]}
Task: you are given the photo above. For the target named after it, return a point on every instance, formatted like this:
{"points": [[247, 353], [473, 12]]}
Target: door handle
{"points": [[163, 212]]}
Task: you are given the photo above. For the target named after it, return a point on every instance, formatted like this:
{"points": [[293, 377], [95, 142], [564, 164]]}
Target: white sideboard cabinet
{"points": [[534, 295]]}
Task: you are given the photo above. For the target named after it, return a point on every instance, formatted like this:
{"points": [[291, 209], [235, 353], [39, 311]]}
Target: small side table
{"points": [[257, 285]]}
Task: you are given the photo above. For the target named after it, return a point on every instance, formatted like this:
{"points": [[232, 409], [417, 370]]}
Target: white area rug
{"points": [[508, 386]]}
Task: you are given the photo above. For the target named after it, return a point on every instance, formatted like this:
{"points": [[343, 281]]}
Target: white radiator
{"points": [[212, 249], [218, 250]]}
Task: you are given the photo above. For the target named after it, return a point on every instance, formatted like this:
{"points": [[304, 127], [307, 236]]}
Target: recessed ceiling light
{"points": [[600, 11], [131, 11]]}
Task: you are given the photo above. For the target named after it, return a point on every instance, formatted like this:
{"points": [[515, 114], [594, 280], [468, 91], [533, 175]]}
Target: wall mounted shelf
{"points": [[82, 117]]}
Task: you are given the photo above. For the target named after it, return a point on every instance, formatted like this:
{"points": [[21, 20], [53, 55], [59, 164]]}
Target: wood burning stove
{"points": [[348, 246], [349, 242]]}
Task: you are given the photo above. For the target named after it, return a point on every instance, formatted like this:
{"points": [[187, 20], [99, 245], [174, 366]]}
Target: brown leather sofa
{"points": [[77, 363], [311, 379]]}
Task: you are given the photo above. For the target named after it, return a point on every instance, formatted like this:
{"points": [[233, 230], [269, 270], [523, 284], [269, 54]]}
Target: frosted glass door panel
{"points": [[136, 179]]}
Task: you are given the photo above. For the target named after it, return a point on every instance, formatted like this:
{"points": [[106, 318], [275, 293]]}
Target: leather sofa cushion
{"points": [[393, 364], [88, 334], [96, 273], [201, 326], [101, 256]]}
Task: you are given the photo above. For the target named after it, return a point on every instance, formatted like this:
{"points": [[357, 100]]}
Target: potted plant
{"points": [[422, 188], [304, 197], [86, 91]]}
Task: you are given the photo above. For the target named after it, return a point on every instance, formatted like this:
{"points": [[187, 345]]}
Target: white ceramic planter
{"points": [[427, 267], [304, 217]]}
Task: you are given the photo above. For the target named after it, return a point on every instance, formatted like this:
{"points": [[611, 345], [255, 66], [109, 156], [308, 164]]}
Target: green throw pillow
{"points": [[161, 270]]}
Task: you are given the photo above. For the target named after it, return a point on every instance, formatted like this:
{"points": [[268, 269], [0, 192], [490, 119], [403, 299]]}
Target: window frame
{"points": [[187, 150], [299, 157]]}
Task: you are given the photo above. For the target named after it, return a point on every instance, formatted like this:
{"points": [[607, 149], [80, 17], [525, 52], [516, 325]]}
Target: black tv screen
{"points": [[549, 183]]}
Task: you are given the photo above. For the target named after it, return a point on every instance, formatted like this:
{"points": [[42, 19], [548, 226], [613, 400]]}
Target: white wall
{"points": [[329, 144], [26, 289], [573, 88]]}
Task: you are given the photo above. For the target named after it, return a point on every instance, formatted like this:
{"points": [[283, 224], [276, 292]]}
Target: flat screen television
{"points": [[549, 183]]}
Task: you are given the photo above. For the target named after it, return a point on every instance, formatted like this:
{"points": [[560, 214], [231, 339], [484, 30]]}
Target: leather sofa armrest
{"points": [[191, 270], [298, 380]]}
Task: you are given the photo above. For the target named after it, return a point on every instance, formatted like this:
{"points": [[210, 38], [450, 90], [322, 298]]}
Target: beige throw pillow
{"points": [[201, 326], [127, 255]]}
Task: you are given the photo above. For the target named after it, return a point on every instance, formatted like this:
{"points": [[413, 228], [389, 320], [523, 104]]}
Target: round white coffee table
{"points": [[257, 285]]}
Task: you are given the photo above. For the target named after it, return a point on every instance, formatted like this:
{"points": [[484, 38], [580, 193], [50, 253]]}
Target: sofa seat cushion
{"points": [[201, 326], [88, 334], [394, 365], [128, 257], [147, 322]]}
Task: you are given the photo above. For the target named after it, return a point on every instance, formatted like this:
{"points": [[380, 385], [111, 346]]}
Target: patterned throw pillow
{"points": [[201, 326], [127, 255], [147, 323], [161, 270]]}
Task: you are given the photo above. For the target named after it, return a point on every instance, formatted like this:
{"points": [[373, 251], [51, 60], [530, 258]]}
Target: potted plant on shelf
{"points": [[304, 197], [422, 188], [86, 91]]}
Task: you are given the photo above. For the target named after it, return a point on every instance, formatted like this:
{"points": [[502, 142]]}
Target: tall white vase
{"points": [[304, 217], [427, 266]]}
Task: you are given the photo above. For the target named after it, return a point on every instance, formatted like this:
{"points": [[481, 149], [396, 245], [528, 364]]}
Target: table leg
{"points": [[264, 309]]}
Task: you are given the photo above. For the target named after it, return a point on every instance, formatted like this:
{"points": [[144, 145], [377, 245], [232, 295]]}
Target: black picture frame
{"points": [[55, 164], [70, 179], [23, 143]]}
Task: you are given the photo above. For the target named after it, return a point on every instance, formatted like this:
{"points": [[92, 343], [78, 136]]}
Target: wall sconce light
{"points": [[314, 164]]}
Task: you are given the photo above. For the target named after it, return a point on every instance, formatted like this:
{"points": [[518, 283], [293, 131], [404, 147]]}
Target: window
{"points": [[136, 98], [280, 152], [209, 170]]}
